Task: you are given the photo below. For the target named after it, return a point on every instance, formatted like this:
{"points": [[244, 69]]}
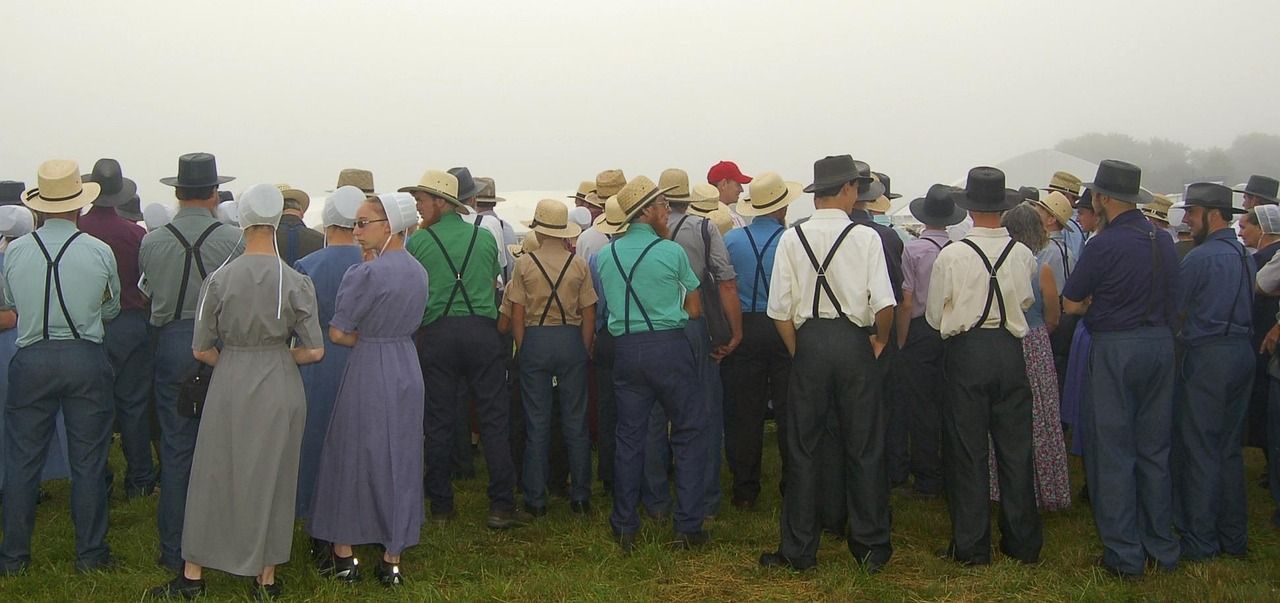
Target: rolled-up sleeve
{"points": [[782, 280]]}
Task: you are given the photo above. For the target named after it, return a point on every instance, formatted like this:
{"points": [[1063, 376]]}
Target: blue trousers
{"points": [[173, 361], [46, 376], [658, 367], [554, 352], [1211, 398], [1273, 443], [128, 344], [1127, 423]]}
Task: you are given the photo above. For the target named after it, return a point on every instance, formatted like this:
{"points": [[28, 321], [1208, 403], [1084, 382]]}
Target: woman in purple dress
{"points": [[369, 484]]}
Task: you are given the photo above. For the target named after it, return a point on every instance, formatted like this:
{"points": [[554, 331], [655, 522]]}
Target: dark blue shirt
{"points": [[1215, 289], [892, 244], [760, 236], [1131, 288]]}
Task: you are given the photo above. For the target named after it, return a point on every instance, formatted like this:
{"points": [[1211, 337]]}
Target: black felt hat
{"points": [[196, 170], [984, 191]]}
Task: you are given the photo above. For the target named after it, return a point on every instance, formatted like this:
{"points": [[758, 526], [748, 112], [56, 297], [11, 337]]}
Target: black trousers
{"points": [[988, 395], [607, 408], [835, 382], [754, 374], [917, 380]]}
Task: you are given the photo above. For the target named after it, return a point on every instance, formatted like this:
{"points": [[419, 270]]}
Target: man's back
{"points": [[85, 275], [462, 265], [125, 240], [163, 261]]}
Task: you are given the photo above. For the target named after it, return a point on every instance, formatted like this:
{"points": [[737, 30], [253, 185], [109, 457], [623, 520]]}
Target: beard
{"points": [[662, 230], [1201, 234]]}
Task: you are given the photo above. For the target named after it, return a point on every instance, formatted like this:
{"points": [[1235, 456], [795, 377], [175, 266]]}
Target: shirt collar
{"points": [[1226, 234], [861, 215], [829, 214], [58, 225], [449, 217], [186, 211], [1130, 216], [935, 233], [989, 233], [766, 220], [640, 229], [100, 211]]}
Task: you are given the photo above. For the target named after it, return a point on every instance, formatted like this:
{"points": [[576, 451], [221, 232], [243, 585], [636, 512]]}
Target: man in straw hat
{"points": [[1157, 211], [755, 373], [704, 200], [652, 293], [553, 320], [1124, 286], [293, 238], [128, 341], [63, 285], [977, 294], [1260, 190], [459, 344], [1074, 231], [832, 304], [175, 261], [607, 184], [1213, 383], [358, 178], [728, 179], [920, 361]]}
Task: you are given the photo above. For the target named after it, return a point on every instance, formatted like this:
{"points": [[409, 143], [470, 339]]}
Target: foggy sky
{"points": [[542, 95]]}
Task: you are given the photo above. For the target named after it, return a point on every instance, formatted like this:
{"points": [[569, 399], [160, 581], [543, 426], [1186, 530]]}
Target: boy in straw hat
{"points": [[553, 320], [607, 184], [704, 200], [295, 239], [64, 285]]}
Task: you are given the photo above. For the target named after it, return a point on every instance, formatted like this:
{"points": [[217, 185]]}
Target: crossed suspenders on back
{"points": [[458, 272], [555, 287], [192, 253], [631, 294], [993, 283], [821, 268], [760, 276], [53, 280]]}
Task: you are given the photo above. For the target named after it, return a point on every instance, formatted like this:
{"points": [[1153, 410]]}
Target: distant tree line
{"points": [[1167, 165]]}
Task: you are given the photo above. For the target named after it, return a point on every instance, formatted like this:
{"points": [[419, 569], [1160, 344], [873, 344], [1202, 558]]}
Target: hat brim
{"points": [[176, 183], [746, 208], [568, 231], [1183, 206], [88, 192], [1150, 213], [490, 199], [1063, 190], [1258, 195], [1056, 218], [646, 201], [301, 197], [604, 227], [1011, 200], [131, 216], [1139, 197], [433, 192], [916, 207], [128, 189]]}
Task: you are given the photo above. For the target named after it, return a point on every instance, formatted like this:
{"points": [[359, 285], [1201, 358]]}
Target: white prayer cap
{"points": [[340, 207], [16, 221], [402, 210], [580, 216], [1268, 218], [155, 215], [260, 205], [228, 213]]}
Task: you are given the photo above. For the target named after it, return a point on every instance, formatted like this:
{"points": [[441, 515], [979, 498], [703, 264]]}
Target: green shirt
{"points": [[661, 282], [448, 291]]}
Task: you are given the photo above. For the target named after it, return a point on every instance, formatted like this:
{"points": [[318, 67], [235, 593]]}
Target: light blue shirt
{"points": [[753, 286], [90, 284]]}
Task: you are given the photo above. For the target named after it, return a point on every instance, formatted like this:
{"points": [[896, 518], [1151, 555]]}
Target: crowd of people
{"points": [[342, 376]]}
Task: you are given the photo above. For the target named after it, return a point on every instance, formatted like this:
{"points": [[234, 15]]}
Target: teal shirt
{"points": [[661, 282], [479, 278], [90, 284]]}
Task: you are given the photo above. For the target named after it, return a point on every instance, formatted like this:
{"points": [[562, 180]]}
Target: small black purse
{"points": [[193, 390]]}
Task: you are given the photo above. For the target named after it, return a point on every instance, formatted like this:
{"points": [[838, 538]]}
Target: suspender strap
{"points": [[555, 287], [821, 269], [1157, 265], [935, 243], [679, 223], [758, 252], [1245, 285], [192, 253], [52, 277], [993, 283], [631, 291], [457, 272], [502, 229], [291, 242]]}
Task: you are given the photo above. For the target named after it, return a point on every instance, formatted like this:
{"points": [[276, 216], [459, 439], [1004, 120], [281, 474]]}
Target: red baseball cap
{"points": [[726, 170]]}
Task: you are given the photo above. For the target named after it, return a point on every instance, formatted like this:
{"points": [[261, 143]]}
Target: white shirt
{"points": [[857, 274], [590, 242], [959, 282], [739, 220], [504, 256]]}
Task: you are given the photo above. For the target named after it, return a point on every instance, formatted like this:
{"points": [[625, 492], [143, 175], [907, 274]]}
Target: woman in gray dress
{"points": [[240, 502]]}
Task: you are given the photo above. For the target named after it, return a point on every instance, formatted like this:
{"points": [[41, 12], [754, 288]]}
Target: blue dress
{"points": [[320, 380]]}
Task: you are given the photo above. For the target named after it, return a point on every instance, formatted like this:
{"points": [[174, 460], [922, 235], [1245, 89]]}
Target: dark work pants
{"points": [[835, 381], [44, 377], [554, 352], [1127, 423], [897, 454], [988, 396], [1273, 443], [918, 378], [607, 408], [461, 463], [128, 345], [658, 367], [173, 361], [1211, 397], [753, 375], [465, 349]]}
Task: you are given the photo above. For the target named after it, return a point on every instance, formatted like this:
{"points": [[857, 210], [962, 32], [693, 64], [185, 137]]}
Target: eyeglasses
{"points": [[366, 223]]}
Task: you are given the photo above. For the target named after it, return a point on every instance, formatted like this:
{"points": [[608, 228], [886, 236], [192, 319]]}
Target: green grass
{"points": [[565, 557]]}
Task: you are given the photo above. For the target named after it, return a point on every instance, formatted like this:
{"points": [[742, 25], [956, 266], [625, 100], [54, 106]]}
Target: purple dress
{"points": [[369, 484]]}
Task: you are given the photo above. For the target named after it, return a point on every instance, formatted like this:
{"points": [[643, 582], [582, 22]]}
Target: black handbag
{"points": [[193, 390], [717, 323]]}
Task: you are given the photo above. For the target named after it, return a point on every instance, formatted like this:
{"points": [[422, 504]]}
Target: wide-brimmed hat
{"points": [[637, 195], [614, 220], [726, 170], [1086, 200], [59, 188], [1157, 208], [131, 210], [880, 204], [888, 189], [468, 188], [1262, 187], [439, 184], [196, 170], [936, 207], [488, 191], [116, 189], [1058, 206], [1210, 195], [678, 180], [585, 188], [1030, 193], [551, 218], [361, 179], [11, 192], [340, 208], [155, 215], [704, 198], [227, 212], [984, 191], [260, 205], [869, 186], [1065, 182], [292, 194], [1119, 180], [833, 171], [768, 193], [525, 245], [16, 221], [609, 182]]}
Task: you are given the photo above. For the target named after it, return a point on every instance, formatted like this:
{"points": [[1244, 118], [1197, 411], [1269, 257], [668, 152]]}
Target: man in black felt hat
{"points": [[978, 291], [1124, 285], [1215, 379], [1260, 190]]}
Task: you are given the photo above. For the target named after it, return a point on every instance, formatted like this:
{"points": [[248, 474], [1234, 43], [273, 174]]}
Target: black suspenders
{"points": [[193, 252], [631, 291], [1157, 263], [1244, 284], [993, 283], [53, 279], [457, 272], [555, 287], [760, 276], [821, 269]]}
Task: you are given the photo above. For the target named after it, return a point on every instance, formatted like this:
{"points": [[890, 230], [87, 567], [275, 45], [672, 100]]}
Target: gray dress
{"points": [[244, 477]]}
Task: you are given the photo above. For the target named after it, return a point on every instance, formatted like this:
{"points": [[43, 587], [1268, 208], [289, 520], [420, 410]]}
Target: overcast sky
{"points": [[540, 95]]}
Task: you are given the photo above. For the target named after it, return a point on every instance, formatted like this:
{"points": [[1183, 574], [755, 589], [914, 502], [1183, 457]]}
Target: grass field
{"points": [[565, 557]]}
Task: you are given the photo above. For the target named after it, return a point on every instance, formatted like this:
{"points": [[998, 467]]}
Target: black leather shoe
{"points": [[505, 520], [108, 565], [1116, 572], [266, 592], [779, 560], [627, 541], [180, 587], [536, 511], [580, 507], [342, 569], [388, 574], [950, 554], [690, 540]]}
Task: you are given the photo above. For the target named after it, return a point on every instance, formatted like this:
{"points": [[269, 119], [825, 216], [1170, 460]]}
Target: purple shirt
{"points": [[1118, 270], [917, 265], [124, 238]]}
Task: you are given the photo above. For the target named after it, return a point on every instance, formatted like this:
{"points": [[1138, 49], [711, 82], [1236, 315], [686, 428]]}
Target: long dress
{"points": [[369, 488], [321, 379], [244, 476]]}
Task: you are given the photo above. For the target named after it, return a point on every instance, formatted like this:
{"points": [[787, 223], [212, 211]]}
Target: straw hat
{"points": [[1065, 182], [768, 193], [637, 195], [59, 188], [1058, 206], [260, 205], [439, 184], [361, 179], [678, 181], [340, 207], [551, 218], [704, 199], [488, 192], [16, 221], [613, 221], [585, 188], [292, 194], [1158, 208], [525, 245], [881, 203], [609, 182]]}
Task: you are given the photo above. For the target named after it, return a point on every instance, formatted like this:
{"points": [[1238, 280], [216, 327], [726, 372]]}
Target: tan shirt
{"points": [[530, 288], [959, 282]]}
